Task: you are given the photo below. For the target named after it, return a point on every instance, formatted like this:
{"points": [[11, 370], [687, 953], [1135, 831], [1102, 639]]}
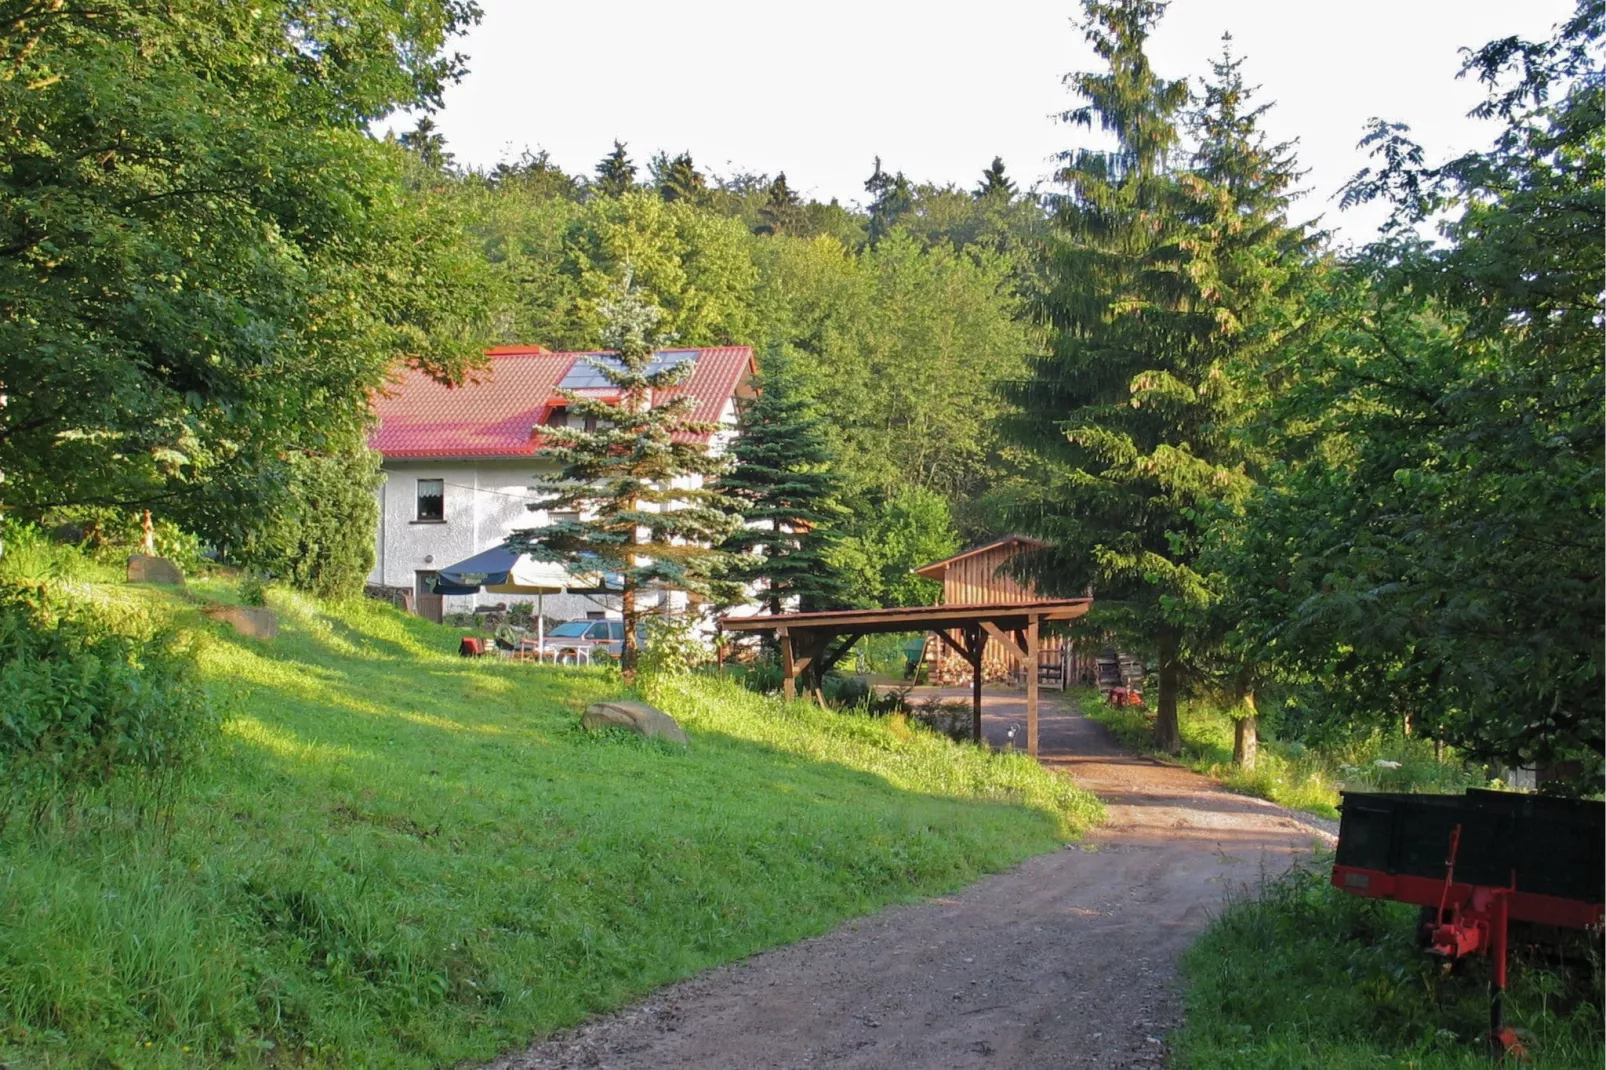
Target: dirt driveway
{"points": [[1067, 960]]}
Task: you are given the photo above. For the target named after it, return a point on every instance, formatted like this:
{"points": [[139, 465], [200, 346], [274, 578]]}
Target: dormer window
{"points": [[557, 416]]}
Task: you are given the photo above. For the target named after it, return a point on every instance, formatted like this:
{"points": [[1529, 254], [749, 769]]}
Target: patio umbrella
{"points": [[502, 570]]}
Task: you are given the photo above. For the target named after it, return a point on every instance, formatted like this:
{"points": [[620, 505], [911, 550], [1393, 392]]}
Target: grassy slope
{"points": [[1289, 774], [1305, 976], [398, 857]]}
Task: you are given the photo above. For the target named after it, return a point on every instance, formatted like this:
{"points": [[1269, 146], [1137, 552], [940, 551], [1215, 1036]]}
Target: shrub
{"points": [[673, 647], [319, 536], [90, 697], [104, 536], [253, 589]]}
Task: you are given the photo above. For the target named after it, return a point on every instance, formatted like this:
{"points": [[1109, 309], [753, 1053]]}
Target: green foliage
{"points": [[109, 535], [679, 179], [1300, 774], [405, 858], [97, 699], [673, 646], [1303, 975], [1166, 287], [1433, 547], [320, 536], [782, 212], [890, 199], [783, 484], [637, 483], [905, 348], [206, 258], [995, 183], [616, 175], [253, 589], [879, 548]]}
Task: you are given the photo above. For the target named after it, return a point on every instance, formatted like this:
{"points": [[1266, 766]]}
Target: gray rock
{"points": [[145, 569], [636, 716], [253, 622]]}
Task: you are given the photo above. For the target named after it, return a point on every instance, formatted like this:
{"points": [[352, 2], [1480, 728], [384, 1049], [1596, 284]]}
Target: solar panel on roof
{"points": [[585, 375]]}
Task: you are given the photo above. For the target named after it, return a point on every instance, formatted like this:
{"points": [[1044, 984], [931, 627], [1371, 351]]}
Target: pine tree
{"points": [[890, 198], [429, 143], [679, 180], [1263, 270], [1124, 418], [782, 480], [621, 478], [782, 212], [616, 175], [995, 183]]}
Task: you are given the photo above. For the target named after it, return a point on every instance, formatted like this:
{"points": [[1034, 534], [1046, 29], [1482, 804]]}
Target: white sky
{"points": [[819, 89]]}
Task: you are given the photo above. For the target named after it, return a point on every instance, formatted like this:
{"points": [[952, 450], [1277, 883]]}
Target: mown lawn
{"points": [[396, 857], [1301, 975]]}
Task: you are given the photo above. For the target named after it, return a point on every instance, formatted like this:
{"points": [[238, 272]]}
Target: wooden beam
{"points": [[913, 618], [958, 647], [1032, 648], [788, 666], [828, 662], [978, 644], [1006, 640]]}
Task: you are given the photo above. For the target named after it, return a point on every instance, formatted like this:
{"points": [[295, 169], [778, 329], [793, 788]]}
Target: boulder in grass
{"points": [[142, 568], [636, 716]]}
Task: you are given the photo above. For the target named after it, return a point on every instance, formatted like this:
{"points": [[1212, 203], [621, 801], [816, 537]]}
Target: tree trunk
{"points": [[627, 607], [1246, 734], [1167, 732]]}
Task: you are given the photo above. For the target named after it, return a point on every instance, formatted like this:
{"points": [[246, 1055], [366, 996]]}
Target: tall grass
{"points": [[1301, 975], [398, 857], [1288, 772]]}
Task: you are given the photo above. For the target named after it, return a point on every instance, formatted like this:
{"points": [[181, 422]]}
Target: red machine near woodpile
{"points": [[1477, 864]]}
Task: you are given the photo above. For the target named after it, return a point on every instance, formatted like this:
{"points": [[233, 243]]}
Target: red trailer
{"points": [[1476, 863]]}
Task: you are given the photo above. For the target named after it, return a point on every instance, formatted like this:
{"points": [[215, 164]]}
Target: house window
{"points": [[595, 614], [591, 423], [431, 499], [558, 417]]}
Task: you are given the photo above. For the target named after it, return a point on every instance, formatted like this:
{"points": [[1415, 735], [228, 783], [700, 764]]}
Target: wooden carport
{"points": [[807, 652]]}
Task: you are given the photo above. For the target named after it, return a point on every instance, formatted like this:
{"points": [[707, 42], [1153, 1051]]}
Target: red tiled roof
{"points": [[497, 416]]}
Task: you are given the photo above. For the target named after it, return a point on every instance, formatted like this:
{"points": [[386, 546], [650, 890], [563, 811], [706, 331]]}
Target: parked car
{"points": [[577, 641]]}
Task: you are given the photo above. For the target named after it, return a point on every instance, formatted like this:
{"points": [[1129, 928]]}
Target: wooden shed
{"points": [[977, 576]]}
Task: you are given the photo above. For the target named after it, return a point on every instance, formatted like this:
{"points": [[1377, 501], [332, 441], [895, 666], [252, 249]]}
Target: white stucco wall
{"points": [[484, 501]]}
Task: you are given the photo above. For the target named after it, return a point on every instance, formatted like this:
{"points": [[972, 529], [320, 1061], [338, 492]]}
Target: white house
{"points": [[460, 463]]}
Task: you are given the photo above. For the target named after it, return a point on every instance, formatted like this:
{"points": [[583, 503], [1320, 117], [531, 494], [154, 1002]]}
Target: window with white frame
{"points": [[431, 500]]}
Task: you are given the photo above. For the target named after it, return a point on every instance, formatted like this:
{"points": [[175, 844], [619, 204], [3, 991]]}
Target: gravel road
{"points": [[1067, 960]]}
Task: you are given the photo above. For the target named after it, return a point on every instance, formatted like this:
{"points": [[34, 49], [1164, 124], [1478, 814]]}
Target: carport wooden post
{"points": [[976, 639], [1031, 685], [788, 668]]}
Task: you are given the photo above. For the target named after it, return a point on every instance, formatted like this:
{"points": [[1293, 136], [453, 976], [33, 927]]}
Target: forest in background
{"points": [[1342, 489]]}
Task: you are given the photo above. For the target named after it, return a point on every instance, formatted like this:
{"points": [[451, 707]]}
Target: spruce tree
{"points": [[620, 479], [1263, 270], [995, 183], [616, 174], [1123, 418], [430, 145], [782, 482], [890, 198], [680, 180], [782, 211]]}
